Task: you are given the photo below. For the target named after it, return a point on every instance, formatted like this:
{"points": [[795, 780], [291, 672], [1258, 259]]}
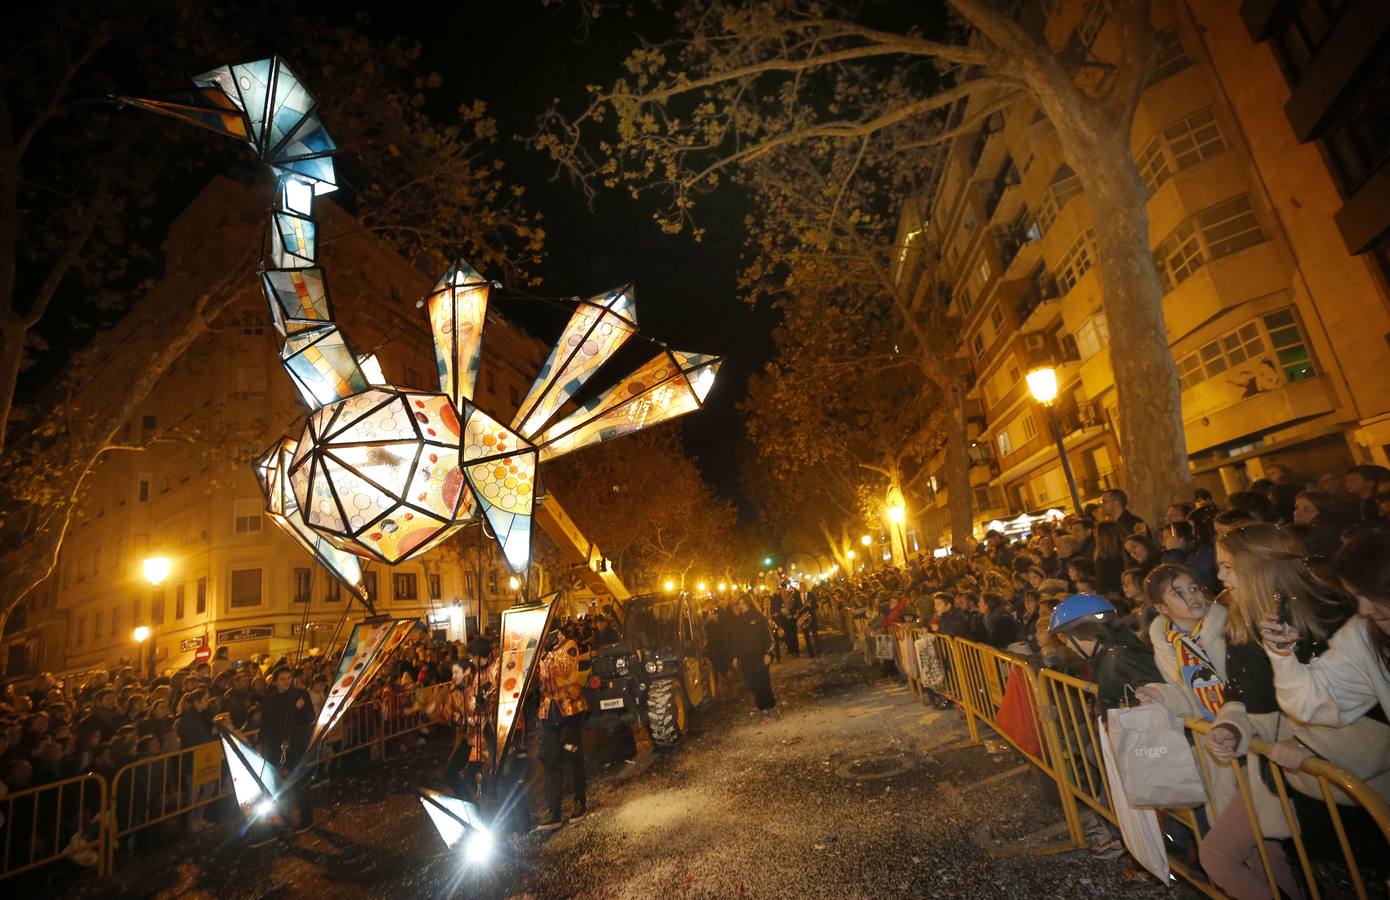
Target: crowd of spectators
{"points": [[1268, 616]]}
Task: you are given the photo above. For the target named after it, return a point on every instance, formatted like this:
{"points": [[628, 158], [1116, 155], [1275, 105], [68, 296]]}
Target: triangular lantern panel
{"points": [[594, 333], [298, 298], [293, 241], [254, 779], [402, 533], [392, 421], [655, 393], [205, 106], [370, 644], [309, 139], [288, 108], [437, 417], [523, 629], [252, 84], [452, 817], [457, 311], [439, 485], [362, 502]]}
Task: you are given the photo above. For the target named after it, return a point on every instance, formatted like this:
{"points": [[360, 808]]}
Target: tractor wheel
{"points": [[665, 712]]}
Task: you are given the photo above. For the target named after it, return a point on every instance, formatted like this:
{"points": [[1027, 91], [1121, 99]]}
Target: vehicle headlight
{"points": [[652, 667]]}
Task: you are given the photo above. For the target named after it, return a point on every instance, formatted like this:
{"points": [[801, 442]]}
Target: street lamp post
{"points": [[1042, 383], [156, 569]]}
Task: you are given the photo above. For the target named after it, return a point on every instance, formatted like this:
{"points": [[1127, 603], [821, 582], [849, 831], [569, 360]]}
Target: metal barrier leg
{"points": [[1047, 714]]}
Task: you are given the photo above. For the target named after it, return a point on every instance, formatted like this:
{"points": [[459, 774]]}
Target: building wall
{"points": [[1277, 329], [191, 495]]}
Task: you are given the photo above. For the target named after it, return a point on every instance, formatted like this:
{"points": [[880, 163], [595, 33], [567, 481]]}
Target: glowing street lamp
{"points": [[1042, 384], [723, 586], [514, 583], [700, 587], [669, 585], [157, 569], [866, 540], [141, 634]]}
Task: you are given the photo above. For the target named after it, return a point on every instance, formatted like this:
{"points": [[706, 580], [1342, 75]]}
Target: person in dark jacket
{"points": [[287, 723], [750, 644], [1001, 628], [1118, 659]]}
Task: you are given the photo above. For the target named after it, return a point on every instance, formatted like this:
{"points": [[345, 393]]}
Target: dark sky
{"points": [[517, 57]]}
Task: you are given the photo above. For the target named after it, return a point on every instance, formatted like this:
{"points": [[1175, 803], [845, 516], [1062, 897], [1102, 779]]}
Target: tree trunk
{"points": [[1148, 398], [958, 469]]}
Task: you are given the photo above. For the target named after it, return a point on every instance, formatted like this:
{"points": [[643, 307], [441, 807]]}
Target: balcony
{"points": [[995, 190], [1040, 291]]}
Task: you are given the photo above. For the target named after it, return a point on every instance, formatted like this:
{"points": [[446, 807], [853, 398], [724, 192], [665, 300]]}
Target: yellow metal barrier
{"points": [[359, 728], [984, 676], [159, 788], [42, 824], [414, 712]]}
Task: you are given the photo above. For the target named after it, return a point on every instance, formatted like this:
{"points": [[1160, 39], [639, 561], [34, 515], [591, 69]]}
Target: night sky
{"points": [[517, 58]]}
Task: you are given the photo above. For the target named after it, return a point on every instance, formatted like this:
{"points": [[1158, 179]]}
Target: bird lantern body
{"points": [[382, 472]]}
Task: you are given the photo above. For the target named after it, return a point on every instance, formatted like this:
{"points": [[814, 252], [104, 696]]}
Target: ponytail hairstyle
{"points": [[1364, 567], [1268, 561]]}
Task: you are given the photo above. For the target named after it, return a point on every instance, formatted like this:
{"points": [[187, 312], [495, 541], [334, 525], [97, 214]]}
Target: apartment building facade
{"points": [[1277, 325], [236, 580]]}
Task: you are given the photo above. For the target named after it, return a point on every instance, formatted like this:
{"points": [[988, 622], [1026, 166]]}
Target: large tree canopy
{"points": [[830, 103]]}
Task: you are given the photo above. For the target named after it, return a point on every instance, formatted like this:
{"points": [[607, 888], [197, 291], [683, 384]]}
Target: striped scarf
{"points": [[1197, 671]]}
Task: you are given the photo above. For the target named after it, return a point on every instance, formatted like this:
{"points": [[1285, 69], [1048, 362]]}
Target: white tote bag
{"points": [[1154, 759], [1139, 827]]}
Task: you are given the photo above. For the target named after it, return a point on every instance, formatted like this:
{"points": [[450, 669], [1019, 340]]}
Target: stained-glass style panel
{"points": [[323, 366], [371, 643], [519, 646], [254, 780], [288, 108], [595, 332], [452, 817], [457, 310], [501, 468], [207, 107], [668, 386], [309, 139], [298, 299]]}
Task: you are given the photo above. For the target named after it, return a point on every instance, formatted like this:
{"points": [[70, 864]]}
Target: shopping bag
{"points": [[1016, 720], [883, 646], [1140, 828], [929, 662], [1154, 759]]}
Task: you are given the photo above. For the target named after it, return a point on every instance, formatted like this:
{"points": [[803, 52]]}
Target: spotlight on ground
{"points": [[477, 849]]}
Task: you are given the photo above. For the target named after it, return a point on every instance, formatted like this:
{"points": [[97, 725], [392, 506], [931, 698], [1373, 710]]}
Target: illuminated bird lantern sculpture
{"points": [[382, 472]]}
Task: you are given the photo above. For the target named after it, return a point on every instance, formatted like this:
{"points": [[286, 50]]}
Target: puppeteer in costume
{"points": [[561, 718], [469, 706]]}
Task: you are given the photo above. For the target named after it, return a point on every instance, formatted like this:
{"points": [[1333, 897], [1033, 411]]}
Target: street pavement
{"points": [[858, 791]]}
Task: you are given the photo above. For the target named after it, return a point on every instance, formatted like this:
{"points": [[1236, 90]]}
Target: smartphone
{"points": [[1281, 608]]}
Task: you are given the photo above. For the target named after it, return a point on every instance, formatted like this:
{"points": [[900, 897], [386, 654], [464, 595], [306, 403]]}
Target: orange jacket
{"points": [[561, 683]]}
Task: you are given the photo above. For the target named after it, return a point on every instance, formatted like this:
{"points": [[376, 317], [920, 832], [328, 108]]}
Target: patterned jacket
{"points": [[469, 708], [561, 682]]}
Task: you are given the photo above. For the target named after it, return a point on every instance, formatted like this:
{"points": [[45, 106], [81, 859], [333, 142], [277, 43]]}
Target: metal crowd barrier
{"points": [[976, 678], [414, 712], [49, 823], [149, 791]]}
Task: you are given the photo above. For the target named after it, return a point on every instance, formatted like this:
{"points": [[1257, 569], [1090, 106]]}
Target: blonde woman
{"points": [[1264, 570]]}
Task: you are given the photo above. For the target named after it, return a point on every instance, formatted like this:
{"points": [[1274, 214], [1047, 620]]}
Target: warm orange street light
{"points": [[1042, 384]]}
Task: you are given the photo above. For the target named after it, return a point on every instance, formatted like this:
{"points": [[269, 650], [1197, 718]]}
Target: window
{"points": [[1194, 138], [303, 585], [1359, 142], [1077, 260], [1230, 227], [436, 588], [1030, 427], [1006, 445], [369, 582], [246, 588], [1170, 58], [1092, 21], [148, 425], [157, 607], [492, 382], [81, 630], [333, 590], [965, 301], [1306, 30], [1289, 346], [246, 516], [403, 586], [96, 560], [1226, 228], [978, 345], [1153, 165], [996, 316], [984, 274], [142, 492], [1247, 342], [1092, 336], [135, 611], [202, 602], [179, 597], [116, 621], [1065, 185], [98, 621]]}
